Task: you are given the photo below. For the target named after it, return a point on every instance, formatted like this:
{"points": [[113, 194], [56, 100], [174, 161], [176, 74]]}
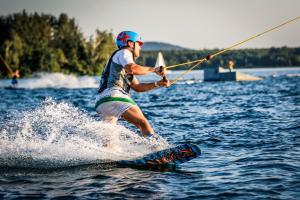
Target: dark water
{"points": [[249, 133]]}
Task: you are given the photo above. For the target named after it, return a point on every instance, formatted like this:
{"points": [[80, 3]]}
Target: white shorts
{"points": [[112, 103]]}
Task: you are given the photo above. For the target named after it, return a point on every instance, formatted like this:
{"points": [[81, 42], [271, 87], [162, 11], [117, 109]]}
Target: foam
{"points": [[60, 135], [56, 80]]}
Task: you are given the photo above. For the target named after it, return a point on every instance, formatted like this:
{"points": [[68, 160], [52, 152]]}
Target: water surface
{"points": [[52, 143]]}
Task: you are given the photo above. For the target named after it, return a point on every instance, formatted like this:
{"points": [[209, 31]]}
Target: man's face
{"points": [[137, 50]]}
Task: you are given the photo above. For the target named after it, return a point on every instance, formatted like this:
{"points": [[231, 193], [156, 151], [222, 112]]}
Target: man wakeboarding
{"points": [[118, 77]]}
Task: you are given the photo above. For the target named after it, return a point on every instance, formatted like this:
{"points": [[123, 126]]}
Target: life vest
{"points": [[115, 75]]}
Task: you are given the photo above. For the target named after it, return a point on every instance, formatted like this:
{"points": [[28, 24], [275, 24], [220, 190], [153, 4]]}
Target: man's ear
{"points": [[130, 43]]}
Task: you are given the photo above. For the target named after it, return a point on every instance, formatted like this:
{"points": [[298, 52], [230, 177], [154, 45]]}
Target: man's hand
{"points": [[161, 71], [208, 57], [164, 82]]}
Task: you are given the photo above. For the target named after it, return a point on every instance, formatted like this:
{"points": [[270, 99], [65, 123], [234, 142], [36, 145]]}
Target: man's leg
{"points": [[135, 116], [110, 119]]}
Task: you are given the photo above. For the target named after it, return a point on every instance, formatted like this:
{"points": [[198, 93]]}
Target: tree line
{"points": [[32, 42], [41, 42], [243, 58]]}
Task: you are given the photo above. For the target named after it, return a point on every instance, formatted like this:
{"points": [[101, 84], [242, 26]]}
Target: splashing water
{"points": [[60, 135], [55, 80]]}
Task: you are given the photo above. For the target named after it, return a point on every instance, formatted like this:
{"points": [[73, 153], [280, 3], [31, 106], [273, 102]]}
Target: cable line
{"points": [[198, 62]]}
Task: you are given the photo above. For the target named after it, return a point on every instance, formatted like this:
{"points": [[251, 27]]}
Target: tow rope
{"points": [[200, 61]]}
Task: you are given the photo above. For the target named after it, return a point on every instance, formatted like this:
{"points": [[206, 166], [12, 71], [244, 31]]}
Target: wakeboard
{"points": [[167, 157]]}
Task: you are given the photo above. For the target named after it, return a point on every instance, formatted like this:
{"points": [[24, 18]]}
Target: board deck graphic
{"points": [[172, 156]]}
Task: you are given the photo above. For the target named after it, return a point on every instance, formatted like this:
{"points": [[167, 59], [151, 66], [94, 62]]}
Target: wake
{"points": [[60, 135]]}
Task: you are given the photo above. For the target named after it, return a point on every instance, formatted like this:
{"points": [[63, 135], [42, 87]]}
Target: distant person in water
{"points": [[14, 81], [118, 77], [230, 65]]}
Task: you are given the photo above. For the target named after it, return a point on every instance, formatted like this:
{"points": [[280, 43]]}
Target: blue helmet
{"points": [[126, 36]]}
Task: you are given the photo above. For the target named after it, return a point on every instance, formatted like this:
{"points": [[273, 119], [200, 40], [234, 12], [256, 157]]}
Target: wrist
{"points": [[156, 84]]}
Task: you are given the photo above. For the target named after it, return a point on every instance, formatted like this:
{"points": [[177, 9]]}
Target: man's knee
{"points": [[135, 116]]}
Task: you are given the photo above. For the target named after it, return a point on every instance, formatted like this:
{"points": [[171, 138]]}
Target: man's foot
{"points": [[152, 137], [154, 141]]}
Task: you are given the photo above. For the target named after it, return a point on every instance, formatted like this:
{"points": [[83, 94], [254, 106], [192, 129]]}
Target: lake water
{"points": [[52, 144]]}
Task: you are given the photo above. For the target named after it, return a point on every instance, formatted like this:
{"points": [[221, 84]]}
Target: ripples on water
{"points": [[248, 133]]}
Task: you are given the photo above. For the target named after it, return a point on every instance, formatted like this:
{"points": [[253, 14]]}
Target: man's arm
{"points": [[143, 87], [136, 69]]}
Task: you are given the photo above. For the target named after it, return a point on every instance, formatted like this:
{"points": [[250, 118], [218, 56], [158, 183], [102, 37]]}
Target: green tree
{"points": [[100, 49]]}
